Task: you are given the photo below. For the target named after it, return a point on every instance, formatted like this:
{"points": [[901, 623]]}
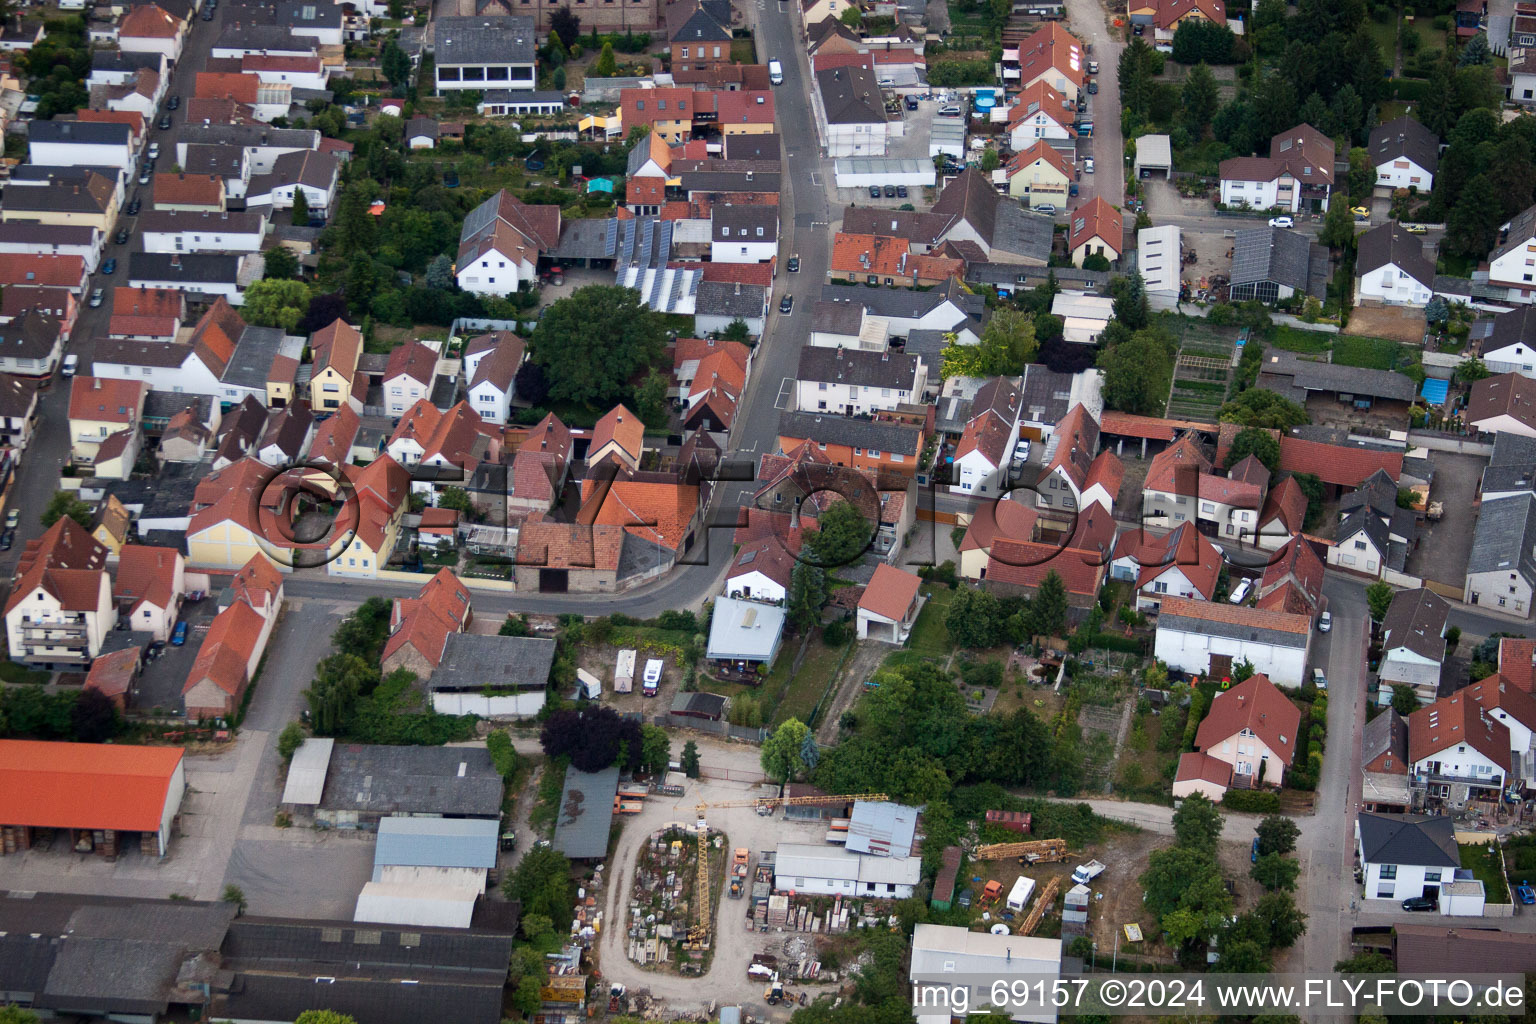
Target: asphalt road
{"points": [[1090, 25]]}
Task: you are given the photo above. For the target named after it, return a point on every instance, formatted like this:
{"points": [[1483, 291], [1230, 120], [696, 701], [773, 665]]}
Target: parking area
{"points": [[1444, 547], [165, 670], [303, 872]]}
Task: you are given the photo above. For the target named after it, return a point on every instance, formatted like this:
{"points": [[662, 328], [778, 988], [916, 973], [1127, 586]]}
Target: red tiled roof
{"points": [[1340, 465], [188, 190], [1039, 151], [1038, 98], [1517, 661], [1077, 438], [766, 555], [146, 574], [1296, 563], [337, 345], [41, 269], [1457, 719], [890, 592], [1080, 562], [735, 273], [148, 302], [1195, 765], [1097, 219], [1108, 471], [655, 511], [227, 649], [1178, 466], [213, 85], [1258, 705], [85, 785], [1184, 549], [1236, 615], [112, 674], [1124, 424], [147, 21], [1285, 504], [333, 438], [1169, 11], [132, 118], [1495, 692], [621, 426], [569, 546], [106, 399], [414, 360], [257, 583], [1004, 519]]}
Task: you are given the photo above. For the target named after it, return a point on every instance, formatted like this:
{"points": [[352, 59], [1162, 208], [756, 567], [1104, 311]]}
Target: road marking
{"points": [[781, 401], [815, 176]]}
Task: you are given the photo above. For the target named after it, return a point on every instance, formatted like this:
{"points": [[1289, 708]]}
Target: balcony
{"points": [[1421, 779]]}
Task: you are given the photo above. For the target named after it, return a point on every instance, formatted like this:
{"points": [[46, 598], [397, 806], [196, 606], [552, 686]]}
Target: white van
{"points": [[775, 72], [71, 363], [591, 686], [652, 679]]}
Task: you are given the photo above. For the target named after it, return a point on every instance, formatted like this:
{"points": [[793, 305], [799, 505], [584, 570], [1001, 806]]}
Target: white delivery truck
{"points": [[591, 686], [1086, 873], [624, 673], [1018, 897], [652, 679]]}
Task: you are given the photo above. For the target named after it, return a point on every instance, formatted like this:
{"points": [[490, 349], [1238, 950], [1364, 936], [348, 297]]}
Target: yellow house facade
{"points": [[336, 349], [1039, 175]]}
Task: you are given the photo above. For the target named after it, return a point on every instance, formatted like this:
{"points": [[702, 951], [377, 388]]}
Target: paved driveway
{"points": [[1090, 23], [1444, 547]]}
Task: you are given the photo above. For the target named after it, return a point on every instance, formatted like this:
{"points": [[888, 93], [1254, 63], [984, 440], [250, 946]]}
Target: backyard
{"points": [[1345, 349], [1201, 372]]}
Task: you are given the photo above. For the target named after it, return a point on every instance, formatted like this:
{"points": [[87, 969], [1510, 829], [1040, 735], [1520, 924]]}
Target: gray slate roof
{"points": [[1378, 493], [498, 39], [203, 268], [1505, 537], [82, 132], [1363, 521], [413, 780], [722, 298], [586, 812], [254, 352], [472, 662], [1387, 732], [905, 303], [1416, 620], [1409, 839], [839, 317], [880, 435], [1405, 137], [1390, 243], [1513, 464], [850, 95], [858, 367], [1354, 380]]}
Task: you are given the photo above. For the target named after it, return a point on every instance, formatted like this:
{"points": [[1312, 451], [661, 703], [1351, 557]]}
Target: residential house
{"points": [[196, 366], [875, 445], [60, 608], [87, 201], [455, 440], [719, 304], [383, 491], [99, 408], [1181, 564], [43, 269], [761, 571], [419, 626], [1406, 154], [316, 174], [1514, 708], [18, 410], [1039, 174], [1096, 230], [226, 664], [1054, 56], [1068, 461], [1208, 637], [619, 436], [850, 113], [1016, 566], [491, 373], [699, 39], [1040, 113], [485, 52], [1503, 404], [1403, 856], [857, 383], [1458, 751], [1384, 763], [743, 234], [1283, 514], [888, 260], [58, 303], [80, 144], [205, 231], [1293, 580], [661, 516], [189, 193], [1201, 773], [501, 242], [148, 28], [30, 344], [558, 558], [889, 605], [287, 436], [539, 468], [1297, 175], [408, 376], [1509, 346], [336, 349], [1501, 570], [206, 275], [185, 439], [985, 452], [150, 586], [1254, 727], [1512, 262], [986, 226], [1391, 268]]}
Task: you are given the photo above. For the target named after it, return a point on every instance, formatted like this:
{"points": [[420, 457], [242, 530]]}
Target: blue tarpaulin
{"points": [[1436, 390]]}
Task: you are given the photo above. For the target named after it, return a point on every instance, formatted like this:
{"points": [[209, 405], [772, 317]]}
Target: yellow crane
{"points": [[1042, 904], [1035, 851], [698, 932]]}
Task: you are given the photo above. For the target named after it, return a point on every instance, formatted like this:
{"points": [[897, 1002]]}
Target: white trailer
{"points": [[591, 686], [624, 672], [1023, 889]]}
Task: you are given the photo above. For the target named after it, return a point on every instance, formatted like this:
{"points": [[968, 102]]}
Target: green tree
{"points": [[651, 400], [1259, 407], [1048, 608], [737, 330], [324, 1017], [1242, 670], [1404, 700], [1201, 100], [1366, 963], [1452, 639], [605, 66], [1277, 834], [300, 210], [690, 759], [16, 1015], [1471, 370], [536, 926], [1474, 221], [281, 263], [503, 755], [542, 884], [1378, 599], [1259, 443], [781, 751], [973, 619], [655, 749], [1275, 872], [1136, 374], [1477, 51], [440, 273], [271, 303], [234, 894], [1362, 176], [841, 537], [394, 63], [65, 503], [594, 341], [807, 595], [455, 499], [565, 25], [1338, 227], [1007, 343], [290, 740], [852, 16], [1280, 915], [1130, 306], [1197, 824]]}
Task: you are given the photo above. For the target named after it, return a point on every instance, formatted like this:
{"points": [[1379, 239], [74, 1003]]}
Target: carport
{"points": [[1154, 153]]}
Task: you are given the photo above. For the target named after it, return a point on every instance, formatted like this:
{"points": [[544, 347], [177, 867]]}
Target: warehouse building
{"points": [[828, 871], [428, 871], [586, 813], [364, 784], [102, 796]]}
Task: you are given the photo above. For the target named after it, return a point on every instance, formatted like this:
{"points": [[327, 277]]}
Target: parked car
{"points": [[1093, 88], [949, 111], [179, 635], [1088, 166], [174, 103], [12, 518], [1281, 222], [1525, 892], [794, 265], [133, 207], [207, 14], [1093, 67], [72, 361], [1240, 592], [1021, 450], [911, 102], [901, 191], [109, 267], [154, 150], [786, 304], [1420, 903], [1360, 212], [1046, 208], [1140, 30], [97, 297], [1319, 680], [1253, 856], [874, 191], [122, 236], [890, 191], [7, 539], [1416, 229], [164, 122], [144, 175], [1325, 622]]}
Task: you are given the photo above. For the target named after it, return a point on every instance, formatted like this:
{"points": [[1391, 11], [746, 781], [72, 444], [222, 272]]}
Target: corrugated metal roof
{"points": [[586, 812], [306, 772], [436, 842], [803, 860], [882, 829]]}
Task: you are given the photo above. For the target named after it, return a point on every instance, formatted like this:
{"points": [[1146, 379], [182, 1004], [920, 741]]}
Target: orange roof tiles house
{"points": [[1208, 637], [216, 85], [226, 662], [568, 557], [337, 348], [113, 675], [1096, 229], [43, 269], [92, 787], [1039, 174], [1181, 564], [619, 435], [659, 511], [100, 407], [148, 28], [420, 625], [889, 260], [890, 605], [539, 466], [149, 588], [194, 193], [1253, 727], [1203, 774], [1456, 741], [61, 582], [1284, 512], [1019, 566]]}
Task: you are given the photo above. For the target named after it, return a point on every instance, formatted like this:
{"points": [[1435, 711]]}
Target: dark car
{"points": [[794, 265], [173, 103], [890, 191], [122, 236], [164, 122], [7, 539], [901, 191], [1420, 903], [109, 267], [133, 207], [179, 635], [911, 102], [786, 304], [207, 15], [874, 191]]}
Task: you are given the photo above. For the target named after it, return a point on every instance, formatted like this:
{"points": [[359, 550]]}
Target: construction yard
{"points": [[664, 899]]}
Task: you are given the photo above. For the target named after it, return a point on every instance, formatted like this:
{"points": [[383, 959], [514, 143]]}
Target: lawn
{"points": [[1456, 266], [743, 51], [929, 637], [1294, 340], [1484, 863], [1371, 353], [797, 696]]}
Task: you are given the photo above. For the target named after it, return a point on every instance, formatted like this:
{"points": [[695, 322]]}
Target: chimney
{"points": [[95, 383]]}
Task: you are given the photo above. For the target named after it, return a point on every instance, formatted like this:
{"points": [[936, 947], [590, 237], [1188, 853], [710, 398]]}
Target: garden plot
{"points": [[1201, 374]]}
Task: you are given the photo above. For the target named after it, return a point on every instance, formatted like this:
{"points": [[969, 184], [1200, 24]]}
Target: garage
{"points": [[862, 172], [554, 581], [1154, 153]]}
